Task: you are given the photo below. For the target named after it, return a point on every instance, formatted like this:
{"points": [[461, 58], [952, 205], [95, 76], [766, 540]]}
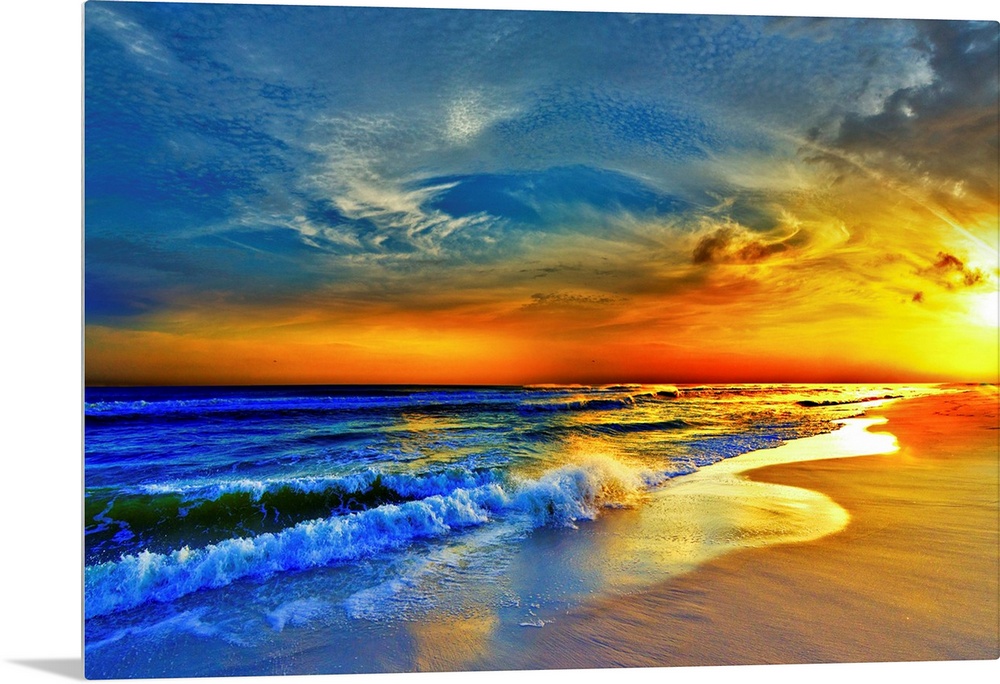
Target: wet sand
{"points": [[912, 576]]}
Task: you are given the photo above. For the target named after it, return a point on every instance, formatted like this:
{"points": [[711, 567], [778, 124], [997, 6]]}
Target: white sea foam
{"points": [[189, 621], [296, 613], [561, 497], [147, 576], [407, 485], [578, 492], [370, 603]]}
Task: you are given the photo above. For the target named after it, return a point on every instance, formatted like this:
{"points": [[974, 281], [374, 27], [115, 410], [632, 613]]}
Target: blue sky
{"points": [[329, 159]]}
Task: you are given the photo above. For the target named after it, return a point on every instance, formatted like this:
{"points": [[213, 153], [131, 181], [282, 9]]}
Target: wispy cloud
{"points": [[354, 171]]}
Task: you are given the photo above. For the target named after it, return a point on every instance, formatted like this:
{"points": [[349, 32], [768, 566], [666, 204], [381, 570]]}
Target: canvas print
{"points": [[441, 339]]}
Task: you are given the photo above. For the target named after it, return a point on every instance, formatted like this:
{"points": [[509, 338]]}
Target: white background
{"points": [[41, 324]]}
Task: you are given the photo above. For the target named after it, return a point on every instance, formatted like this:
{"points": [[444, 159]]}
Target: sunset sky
{"points": [[279, 194]]}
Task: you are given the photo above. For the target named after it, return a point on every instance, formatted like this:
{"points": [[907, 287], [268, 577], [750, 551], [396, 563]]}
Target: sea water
{"points": [[264, 530]]}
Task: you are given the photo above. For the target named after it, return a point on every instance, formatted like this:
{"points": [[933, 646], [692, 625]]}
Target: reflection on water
{"points": [[715, 510], [682, 525]]}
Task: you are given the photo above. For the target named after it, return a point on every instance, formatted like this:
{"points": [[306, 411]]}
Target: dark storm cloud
{"points": [[944, 130]]}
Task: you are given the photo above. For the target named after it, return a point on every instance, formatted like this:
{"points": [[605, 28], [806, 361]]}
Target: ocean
{"points": [[323, 529]]}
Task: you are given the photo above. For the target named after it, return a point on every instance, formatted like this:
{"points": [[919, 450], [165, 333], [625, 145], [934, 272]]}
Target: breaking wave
{"points": [[559, 497]]}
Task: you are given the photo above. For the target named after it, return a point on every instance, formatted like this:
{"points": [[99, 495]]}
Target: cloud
{"points": [[562, 300], [948, 261], [733, 244], [553, 197], [952, 271], [130, 35], [941, 136], [471, 112]]}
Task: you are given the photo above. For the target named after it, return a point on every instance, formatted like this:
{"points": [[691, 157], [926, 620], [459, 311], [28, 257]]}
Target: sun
{"points": [[985, 309]]}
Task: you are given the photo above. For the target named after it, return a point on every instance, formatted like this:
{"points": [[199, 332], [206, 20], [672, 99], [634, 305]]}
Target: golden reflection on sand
{"points": [[682, 525], [444, 644], [853, 439], [717, 509]]}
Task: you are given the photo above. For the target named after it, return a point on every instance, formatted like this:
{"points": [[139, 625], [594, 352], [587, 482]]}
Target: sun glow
{"points": [[985, 309]]}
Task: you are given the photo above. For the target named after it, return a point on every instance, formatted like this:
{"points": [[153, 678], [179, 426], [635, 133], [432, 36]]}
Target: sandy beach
{"points": [[912, 576]]}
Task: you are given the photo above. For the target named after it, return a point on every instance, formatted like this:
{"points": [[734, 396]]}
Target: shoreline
{"points": [[808, 552], [913, 576]]}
